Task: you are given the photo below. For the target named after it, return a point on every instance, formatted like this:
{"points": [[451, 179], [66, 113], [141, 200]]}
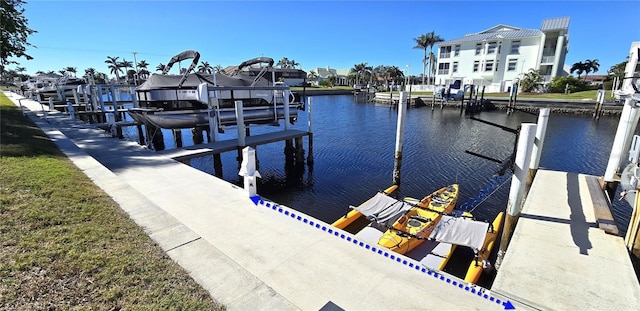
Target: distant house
{"points": [[594, 79], [499, 56], [325, 73]]}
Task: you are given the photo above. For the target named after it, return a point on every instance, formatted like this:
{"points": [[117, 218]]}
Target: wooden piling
{"points": [[177, 137]]}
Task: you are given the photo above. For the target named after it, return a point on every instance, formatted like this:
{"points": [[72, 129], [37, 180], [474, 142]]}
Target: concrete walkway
{"points": [[559, 259], [252, 255]]}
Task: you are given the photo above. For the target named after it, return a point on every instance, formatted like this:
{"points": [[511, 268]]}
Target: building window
{"points": [[488, 66], [478, 48], [476, 66], [497, 64], [456, 51], [445, 51], [443, 68], [455, 67], [515, 47], [499, 48], [513, 63], [491, 48]]}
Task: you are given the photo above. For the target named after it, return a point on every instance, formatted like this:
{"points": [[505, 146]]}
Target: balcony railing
{"points": [[443, 71]]}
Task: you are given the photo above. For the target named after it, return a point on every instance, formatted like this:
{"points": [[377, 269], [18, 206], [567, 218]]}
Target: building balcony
{"points": [[548, 59]]}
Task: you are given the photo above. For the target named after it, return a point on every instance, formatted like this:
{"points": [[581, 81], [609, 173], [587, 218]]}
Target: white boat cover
{"points": [[460, 231], [382, 207], [156, 81]]}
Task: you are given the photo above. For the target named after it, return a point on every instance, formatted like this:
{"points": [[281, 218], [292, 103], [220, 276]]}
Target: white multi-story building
{"points": [[499, 56]]}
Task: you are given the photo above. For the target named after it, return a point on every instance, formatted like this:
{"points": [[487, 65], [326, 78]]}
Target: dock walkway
{"points": [[558, 258], [252, 255]]}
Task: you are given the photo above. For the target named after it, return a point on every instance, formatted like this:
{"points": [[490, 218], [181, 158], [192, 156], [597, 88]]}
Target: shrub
{"points": [[558, 84]]}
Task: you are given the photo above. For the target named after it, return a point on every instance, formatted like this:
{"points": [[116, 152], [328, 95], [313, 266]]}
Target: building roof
{"points": [[561, 23], [501, 33]]}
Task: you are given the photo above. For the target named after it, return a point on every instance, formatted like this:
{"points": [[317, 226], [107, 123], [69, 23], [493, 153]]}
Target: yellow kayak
{"points": [[477, 265], [420, 220], [354, 214]]}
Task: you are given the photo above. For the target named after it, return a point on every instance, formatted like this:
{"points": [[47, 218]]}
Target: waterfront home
{"points": [[499, 56]]}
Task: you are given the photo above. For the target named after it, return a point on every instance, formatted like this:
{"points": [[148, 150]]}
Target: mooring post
{"points": [[72, 112], [240, 123], [517, 191], [402, 111], [177, 137], [541, 130], [101, 101], [599, 103], [112, 88], [134, 97], [287, 121], [626, 127], [310, 105], [217, 165], [248, 170]]}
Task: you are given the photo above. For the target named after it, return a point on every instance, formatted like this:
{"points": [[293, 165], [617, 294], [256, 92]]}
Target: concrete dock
{"points": [[254, 254], [559, 258]]}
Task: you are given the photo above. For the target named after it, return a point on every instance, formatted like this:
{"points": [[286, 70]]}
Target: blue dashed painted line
{"points": [[273, 206]]}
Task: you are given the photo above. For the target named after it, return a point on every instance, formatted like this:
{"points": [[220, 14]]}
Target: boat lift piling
{"points": [[518, 182], [402, 111], [309, 107], [621, 142], [597, 112], [541, 130]]}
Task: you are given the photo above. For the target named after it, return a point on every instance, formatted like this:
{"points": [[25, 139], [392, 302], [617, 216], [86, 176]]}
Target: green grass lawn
{"points": [[65, 244]]}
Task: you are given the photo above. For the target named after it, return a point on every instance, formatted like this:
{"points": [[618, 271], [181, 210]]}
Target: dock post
{"points": [[541, 130], [248, 170], [310, 156], [101, 100], [72, 112], [402, 111], [76, 98], [240, 123], [517, 191], [112, 88], [141, 140], [134, 97], [177, 137], [621, 142], [217, 165], [196, 133], [599, 103], [287, 119]]}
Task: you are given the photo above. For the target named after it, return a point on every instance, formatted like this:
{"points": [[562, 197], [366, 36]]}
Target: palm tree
{"points": [[616, 70], [578, 67], [591, 65], [71, 70], [126, 64], [531, 80], [204, 67], [114, 66], [283, 63], [293, 64], [360, 70], [422, 42], [161, 67], [312, 75], [63, 72], [142, 68], [218, 68], [90, 72], [40, 72]]}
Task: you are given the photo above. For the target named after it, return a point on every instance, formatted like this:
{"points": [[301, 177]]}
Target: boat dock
{"points": [[217, 147], [560, 257], [254, 254]]}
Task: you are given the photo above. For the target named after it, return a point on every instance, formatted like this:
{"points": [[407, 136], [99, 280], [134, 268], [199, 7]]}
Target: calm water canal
{"points": [[354, 155]]}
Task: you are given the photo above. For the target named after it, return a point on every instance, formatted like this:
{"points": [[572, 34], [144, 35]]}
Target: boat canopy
{"points": [[382, 208], [159, 81], [460, 231]]}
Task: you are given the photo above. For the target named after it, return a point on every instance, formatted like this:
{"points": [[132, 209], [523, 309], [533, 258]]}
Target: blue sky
{"points": [[338, 34]]}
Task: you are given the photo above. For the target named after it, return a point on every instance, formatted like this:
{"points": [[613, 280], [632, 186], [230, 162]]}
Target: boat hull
{"points": [[417, 224], [477, 265], [354, 214]]}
